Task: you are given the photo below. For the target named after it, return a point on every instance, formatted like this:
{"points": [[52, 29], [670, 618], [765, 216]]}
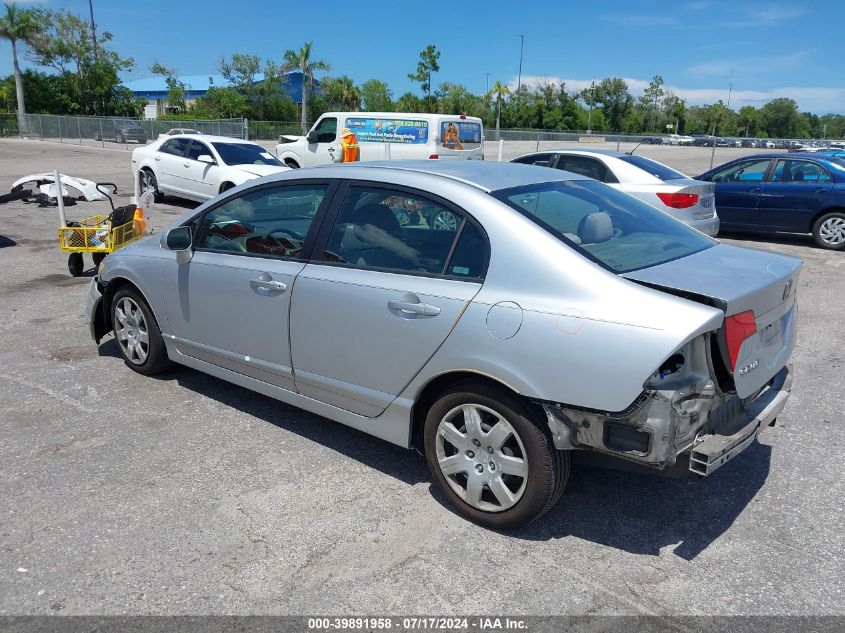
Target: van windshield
{"points": [[607, 226], [459, 134]]}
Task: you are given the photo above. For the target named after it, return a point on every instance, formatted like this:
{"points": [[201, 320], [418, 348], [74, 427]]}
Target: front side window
{"points": [[793, 171], [326, 130], [176, 146], [610, 227], [245, 154], [745, 171], [542, 160], [271, 221], [198, 149], [585, 166], [387, 229]]}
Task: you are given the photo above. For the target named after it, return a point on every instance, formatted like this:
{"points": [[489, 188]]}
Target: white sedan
{"points": [[691, 201], [199, 168]]}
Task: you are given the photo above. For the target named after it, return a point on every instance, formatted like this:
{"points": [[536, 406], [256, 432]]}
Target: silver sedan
{"points": [[556, 316]]}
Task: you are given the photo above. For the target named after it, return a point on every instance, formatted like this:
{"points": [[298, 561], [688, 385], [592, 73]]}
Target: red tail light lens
{"points": [[433, 156], [679, 200], [738, 328]]}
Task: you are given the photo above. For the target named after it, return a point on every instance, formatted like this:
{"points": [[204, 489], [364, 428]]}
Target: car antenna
{"points": [[631, 153]]}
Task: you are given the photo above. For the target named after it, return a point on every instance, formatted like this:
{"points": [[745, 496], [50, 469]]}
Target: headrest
{"points": [[595, 227], [378, 215]]}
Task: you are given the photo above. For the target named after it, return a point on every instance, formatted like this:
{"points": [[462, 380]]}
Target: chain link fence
{"points": [[690, 154]]}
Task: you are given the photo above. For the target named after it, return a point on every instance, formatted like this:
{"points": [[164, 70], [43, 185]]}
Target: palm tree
{"points": [[499, 91], [301, 60], [19, 25]]}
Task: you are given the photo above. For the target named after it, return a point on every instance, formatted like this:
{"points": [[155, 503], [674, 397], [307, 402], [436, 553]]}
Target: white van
{"points": [[386, 135]]}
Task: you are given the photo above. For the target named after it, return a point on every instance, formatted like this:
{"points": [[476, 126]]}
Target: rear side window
{"points": [[793, 171], [460, 135], [176, 146], [609, 227], [393, 230], [658, 170]]}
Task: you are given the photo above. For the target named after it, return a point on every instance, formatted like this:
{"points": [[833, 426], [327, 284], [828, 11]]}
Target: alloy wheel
{"points": [[832, 231], [482, 457], [131, 331], [445, 221]]}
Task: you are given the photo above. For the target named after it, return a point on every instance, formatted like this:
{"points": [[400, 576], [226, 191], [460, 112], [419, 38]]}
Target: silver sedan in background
{"points": [[691, 201], [555, 315]]}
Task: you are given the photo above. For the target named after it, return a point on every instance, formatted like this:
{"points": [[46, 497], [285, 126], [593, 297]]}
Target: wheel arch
{"points": [[438, 384], [115, 284], [824, 212]]}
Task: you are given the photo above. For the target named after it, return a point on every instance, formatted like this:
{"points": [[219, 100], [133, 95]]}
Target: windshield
{"points": [[653, 167], [610, 227], [245, 154]]}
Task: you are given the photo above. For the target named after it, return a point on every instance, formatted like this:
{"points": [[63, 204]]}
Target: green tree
{"points": [[301, 60], [19, 26], [748, 119], [408, 102], [615, 100], [651, 99], [91, 77], [341, 93], [429, 63], [674, 111], [498, 93], [175, 88], [376, 96], [783, 120], [220, 103]]}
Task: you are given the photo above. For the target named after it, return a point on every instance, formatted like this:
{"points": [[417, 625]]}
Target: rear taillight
{"points": [[679, 200], [738, 328], [433, 156]]}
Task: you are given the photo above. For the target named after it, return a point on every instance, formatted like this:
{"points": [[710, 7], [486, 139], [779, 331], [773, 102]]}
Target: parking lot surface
{"points": [[185, 494]]}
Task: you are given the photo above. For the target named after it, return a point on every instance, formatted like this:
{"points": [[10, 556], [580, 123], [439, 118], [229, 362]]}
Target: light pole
{"points": [[519, 78], [487, 77], [93, 28], [590, 113]]}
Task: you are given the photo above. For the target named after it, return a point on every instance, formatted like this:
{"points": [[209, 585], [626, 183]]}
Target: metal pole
{"points": [[93, 28], [41, 126], [501, 148], [713, 152], [521, 44], [618, 140], [102, 140], [590, 113], [59, 122], [60, 199], [538, 142], [487, 91], [79, 129]]}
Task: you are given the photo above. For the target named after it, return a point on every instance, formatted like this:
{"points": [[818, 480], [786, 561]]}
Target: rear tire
{"points": [[500, 476], [75, 264], [829, 231], [138, 336], [226, 186]]}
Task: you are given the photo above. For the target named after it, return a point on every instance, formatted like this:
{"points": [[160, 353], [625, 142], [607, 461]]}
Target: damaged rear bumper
{"points": [[709, 427]]}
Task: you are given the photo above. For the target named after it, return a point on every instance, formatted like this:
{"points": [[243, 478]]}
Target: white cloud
{"points": [[762, 16], [819, 100], [746, 66], [637, 19]]}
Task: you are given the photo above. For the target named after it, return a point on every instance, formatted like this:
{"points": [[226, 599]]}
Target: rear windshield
{"points": [[245, 154], [653, 167], [609, 227], [460, 135]]}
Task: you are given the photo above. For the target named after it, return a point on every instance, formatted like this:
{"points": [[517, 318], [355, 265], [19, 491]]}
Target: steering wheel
{"points": [[287, 231], [237, 247]]}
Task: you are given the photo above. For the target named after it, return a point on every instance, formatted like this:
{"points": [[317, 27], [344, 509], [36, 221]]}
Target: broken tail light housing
{"points": [[738, 328], [679, 200]]}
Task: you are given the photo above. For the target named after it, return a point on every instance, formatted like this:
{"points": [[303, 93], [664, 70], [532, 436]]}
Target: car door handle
{"points": [[158, 157], [187, 164], [266, 284], [819, 190], [404, 308], [754, 190]]}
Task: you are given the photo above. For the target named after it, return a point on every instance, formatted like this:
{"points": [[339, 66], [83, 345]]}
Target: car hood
{"points": [[737, 278], [261, 170]]}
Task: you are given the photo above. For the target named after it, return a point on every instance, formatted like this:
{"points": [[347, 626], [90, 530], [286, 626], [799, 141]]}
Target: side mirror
{"points": [[178, 240], [205, 158], [312, 137]]}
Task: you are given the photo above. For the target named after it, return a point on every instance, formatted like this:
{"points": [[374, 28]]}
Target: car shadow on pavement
{"points": [[793, 239], [387, 458], [6, 241], [644, 513]]}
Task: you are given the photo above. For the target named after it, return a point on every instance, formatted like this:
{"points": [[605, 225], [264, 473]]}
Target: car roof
{"points": [[483, 175], [212, 139], [582, 150]]}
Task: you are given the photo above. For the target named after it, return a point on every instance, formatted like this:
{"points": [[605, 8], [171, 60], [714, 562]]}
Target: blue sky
{"points": [[765, 49]]}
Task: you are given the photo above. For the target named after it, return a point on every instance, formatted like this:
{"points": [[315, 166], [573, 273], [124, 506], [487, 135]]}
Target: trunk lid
{"points": [[706, 192], [737, 280]]}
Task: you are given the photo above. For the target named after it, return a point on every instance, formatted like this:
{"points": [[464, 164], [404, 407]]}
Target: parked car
{"points": [[559, 315], [403, 135], [120, 131], [703, 140], [178, 130], [652, 140], [794, 193], [691, 201], [200, 168], [679, 139]]}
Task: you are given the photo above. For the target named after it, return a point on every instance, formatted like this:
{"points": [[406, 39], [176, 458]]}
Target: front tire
{"points": [[136, 331], [291, 163], [829, 231], [493, 456]]}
